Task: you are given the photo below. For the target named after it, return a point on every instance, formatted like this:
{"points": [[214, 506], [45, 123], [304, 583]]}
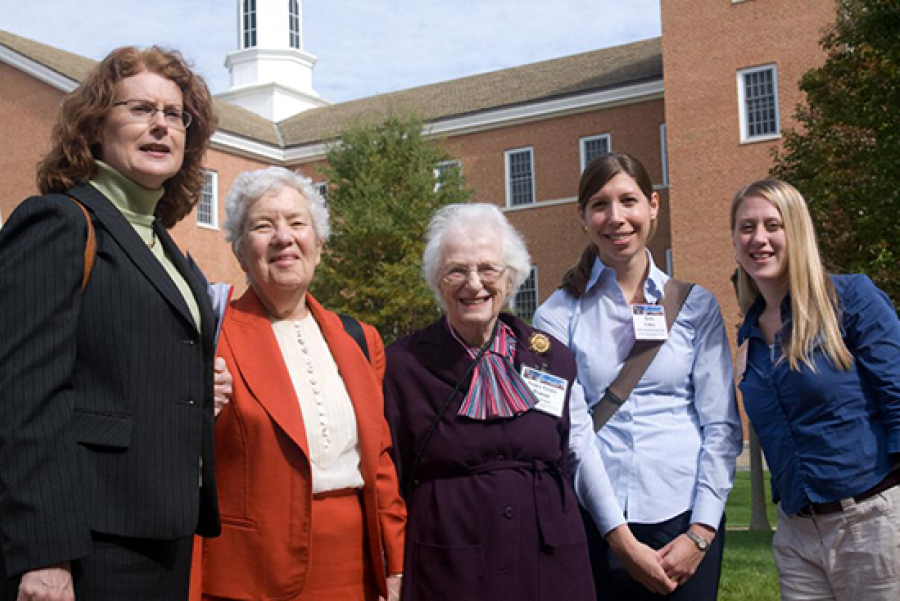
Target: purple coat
{"points": [[493, 515]]}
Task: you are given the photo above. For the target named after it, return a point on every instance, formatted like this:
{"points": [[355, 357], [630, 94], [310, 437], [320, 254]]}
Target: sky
{"points": [[364, 47]]}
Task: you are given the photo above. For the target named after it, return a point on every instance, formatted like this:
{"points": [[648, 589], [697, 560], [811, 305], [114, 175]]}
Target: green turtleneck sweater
{"points": [[138, 205]]}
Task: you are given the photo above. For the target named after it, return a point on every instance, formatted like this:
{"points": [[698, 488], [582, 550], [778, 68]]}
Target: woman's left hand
{"points": [[681, 556], [223, 385]]}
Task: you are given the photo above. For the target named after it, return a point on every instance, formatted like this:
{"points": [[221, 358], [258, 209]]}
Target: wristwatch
{"points": [[702, 543]]}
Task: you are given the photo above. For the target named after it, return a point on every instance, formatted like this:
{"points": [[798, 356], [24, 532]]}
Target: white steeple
{"points": [[271, 74]]}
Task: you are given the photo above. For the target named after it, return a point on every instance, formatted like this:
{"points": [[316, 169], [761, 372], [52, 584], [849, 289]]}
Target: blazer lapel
{"points": [[248, 333], [197, 282], [123, 233]]}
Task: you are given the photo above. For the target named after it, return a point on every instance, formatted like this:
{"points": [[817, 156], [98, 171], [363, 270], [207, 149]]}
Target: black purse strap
{"points": [[355, 331], [640, 357], [409, 482]]}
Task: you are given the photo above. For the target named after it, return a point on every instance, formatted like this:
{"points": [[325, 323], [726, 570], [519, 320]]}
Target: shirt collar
{"points": [[750, 327], [656, 280]]}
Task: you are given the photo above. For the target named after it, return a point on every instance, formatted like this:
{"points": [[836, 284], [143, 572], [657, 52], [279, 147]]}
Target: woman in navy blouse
{"points": [[819, 364]]}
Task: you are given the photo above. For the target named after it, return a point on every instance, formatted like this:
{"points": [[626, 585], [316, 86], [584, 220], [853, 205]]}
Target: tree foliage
{"points": [[383, 193], [845, 156]]}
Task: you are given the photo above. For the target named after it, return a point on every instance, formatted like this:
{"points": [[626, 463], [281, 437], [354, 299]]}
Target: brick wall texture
{"points": [[705, 43]]}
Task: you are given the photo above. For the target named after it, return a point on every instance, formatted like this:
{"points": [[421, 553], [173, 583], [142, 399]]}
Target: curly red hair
{"points": [[71, 160]]}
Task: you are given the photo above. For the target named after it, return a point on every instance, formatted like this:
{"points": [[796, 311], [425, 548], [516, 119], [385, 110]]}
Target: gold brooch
{"points": [[539, 343]]}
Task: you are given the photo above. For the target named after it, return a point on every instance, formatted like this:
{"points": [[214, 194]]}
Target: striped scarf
{"points": [[497, 390]]}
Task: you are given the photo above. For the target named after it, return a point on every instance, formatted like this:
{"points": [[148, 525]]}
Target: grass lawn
{"points": [[737, 511], [748, 569]]}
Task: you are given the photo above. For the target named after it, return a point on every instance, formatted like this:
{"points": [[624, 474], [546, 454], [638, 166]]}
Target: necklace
{"points": [[152, 242]]}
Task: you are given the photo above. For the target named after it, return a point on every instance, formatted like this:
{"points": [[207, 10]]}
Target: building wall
{"points": [[26, 119], [704, 45]]}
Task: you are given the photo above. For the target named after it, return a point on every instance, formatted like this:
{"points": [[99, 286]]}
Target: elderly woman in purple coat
{"points": [[478, 404]]}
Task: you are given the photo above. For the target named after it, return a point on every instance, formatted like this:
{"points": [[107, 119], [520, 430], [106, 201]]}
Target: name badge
{"points": [[649, 322], [549, 390], [740, 361]]}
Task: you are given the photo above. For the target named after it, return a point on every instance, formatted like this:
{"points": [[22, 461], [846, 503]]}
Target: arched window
{"points": [[294, 23], [248, 14]]}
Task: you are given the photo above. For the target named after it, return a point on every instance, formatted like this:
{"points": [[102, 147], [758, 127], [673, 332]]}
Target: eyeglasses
{"points": [[143, 111], [488, 273]]}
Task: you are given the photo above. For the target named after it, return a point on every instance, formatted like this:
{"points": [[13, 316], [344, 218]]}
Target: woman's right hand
{"points": [[47, 584], [642, 562], [223, 385]]}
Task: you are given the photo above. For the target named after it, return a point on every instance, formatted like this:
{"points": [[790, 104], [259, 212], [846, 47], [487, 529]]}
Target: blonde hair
{"points": [[814, 303]]}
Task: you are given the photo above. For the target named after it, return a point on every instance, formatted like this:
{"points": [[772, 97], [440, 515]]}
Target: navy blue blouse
{"points": [[833, 433]]}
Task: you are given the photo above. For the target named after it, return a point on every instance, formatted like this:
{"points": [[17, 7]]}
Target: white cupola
{"points": [[271, 74]]}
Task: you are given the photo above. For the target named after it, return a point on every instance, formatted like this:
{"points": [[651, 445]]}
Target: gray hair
{"points": [[470, 218], [250, 186]]}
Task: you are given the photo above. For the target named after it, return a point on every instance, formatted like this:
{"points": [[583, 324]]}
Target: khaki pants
{"points": [[853, 555]]}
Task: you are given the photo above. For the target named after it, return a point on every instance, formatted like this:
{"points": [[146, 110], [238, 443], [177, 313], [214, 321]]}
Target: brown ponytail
{"points": [[576, 279]]}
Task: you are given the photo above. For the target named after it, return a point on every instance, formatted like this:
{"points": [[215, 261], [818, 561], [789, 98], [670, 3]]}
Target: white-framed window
{"points": [[758, 103], [294, 23], [208, 207], [322, 189], [248, 23], [592, 147], [443, 170], [519, 177], [525, 302], [664, 154]]}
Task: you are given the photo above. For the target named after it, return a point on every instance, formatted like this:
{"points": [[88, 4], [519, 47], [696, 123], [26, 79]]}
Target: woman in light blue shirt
{"points": [[656, 499]]}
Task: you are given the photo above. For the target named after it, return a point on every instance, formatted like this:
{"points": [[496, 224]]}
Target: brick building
{"points": [[731, 74], [520, 135]]}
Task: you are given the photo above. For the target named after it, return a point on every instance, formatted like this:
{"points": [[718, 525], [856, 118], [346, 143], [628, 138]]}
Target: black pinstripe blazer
{"points": [[106, 395]]}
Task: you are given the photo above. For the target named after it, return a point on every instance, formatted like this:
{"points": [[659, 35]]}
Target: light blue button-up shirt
{"points": [[672, 446]]}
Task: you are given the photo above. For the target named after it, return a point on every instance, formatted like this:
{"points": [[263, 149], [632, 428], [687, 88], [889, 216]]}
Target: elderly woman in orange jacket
{"points": [[308, 492]]}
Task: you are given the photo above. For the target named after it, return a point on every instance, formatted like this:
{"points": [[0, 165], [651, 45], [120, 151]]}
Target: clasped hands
{"points": [[664, 570]]}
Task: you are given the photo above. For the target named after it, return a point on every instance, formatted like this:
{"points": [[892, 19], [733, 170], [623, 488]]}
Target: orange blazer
{"points": [[262, 462]]}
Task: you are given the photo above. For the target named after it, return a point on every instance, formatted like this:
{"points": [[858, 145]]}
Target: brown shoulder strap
{"points": [[640, 357], [90, 246]]}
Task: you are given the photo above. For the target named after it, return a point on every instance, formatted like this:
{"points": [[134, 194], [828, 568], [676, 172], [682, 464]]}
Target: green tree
{"points": [[845, 156], [383, 193]]}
